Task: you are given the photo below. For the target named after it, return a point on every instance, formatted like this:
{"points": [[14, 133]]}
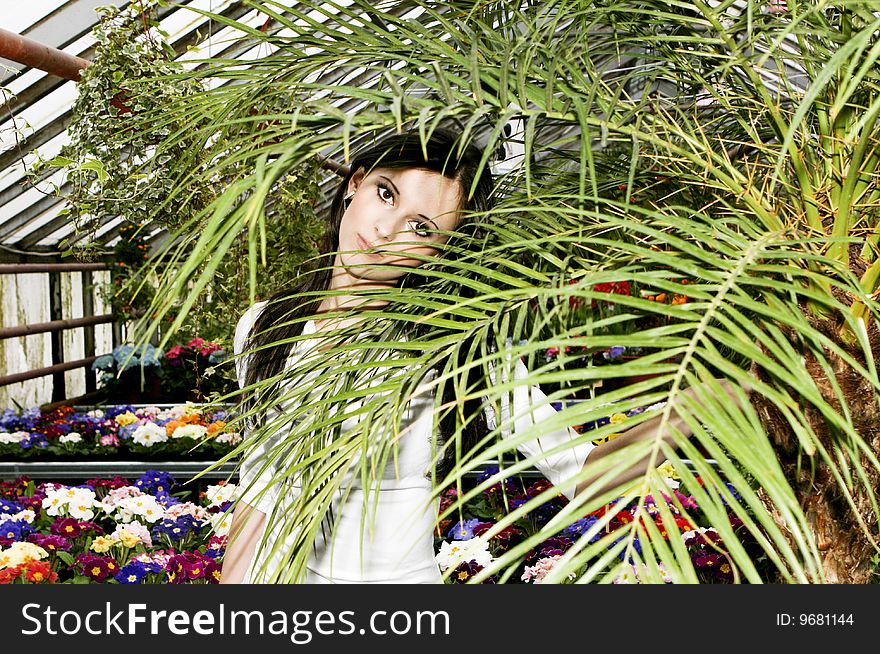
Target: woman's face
{"points": [[395, 214]]}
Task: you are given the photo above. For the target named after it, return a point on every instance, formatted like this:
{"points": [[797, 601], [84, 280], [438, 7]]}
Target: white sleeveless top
{"points": [[399, 548]]}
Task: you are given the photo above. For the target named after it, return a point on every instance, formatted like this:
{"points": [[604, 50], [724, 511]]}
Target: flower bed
{"points": [[462, 554], [113, 531], [115, 431]]}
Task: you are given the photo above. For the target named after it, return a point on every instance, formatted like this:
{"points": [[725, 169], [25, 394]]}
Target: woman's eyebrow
{"points": [[396, 192]]}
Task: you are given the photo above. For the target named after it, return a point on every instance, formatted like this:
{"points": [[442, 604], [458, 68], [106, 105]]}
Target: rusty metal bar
{"points": [[43, 372], [54, 326], [46, 58], [16, 268]]}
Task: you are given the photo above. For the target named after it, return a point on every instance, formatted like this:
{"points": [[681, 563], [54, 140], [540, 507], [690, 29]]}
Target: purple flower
{"points": [[463, 530], [613, 353], [50, 543]]}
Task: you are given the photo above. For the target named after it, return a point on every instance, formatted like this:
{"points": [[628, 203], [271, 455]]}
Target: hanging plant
{"points": [[113, 167], [122, 161]]}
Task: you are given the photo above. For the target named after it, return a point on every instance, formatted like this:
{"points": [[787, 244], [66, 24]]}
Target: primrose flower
{"points": [[452, 554], [149, 434]]}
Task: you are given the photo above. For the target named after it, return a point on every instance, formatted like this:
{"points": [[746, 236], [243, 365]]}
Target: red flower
{"points": [[9, 575], [175, 353], [38, 572], [617, 288]]}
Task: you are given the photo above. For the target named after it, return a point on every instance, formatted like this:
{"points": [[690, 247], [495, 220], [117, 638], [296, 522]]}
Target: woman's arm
{"points": [[646, 431], [244, 535]]}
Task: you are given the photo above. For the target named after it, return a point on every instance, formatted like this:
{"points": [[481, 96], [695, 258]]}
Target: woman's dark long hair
{"points": [[281, 319]]}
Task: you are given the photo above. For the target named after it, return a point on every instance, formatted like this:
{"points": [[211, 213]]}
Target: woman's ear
{"points": [[355, 180]]}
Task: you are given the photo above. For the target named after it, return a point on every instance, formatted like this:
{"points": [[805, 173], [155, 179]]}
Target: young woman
{"points": [[396, 208]]}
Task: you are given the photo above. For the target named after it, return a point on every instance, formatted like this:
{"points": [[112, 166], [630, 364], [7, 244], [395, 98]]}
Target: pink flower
{"points": [[208, 349], [109, 440], [540, 570], [195, 343], [174, 353]]}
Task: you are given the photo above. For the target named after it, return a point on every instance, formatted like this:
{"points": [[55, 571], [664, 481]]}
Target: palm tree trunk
{"points": [[844, 546]]}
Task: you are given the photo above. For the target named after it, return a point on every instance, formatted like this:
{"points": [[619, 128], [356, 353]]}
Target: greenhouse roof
{"points": [[38, 106]]}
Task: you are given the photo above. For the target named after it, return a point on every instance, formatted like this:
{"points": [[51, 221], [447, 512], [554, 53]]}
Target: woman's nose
{"points": [[386, 228]]}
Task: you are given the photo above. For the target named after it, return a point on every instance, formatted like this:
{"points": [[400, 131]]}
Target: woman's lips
{"points": [[365, 245]]}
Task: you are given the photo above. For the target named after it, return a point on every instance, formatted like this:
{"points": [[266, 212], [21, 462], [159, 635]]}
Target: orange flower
{"points": [[215, 426], [171, 426]]}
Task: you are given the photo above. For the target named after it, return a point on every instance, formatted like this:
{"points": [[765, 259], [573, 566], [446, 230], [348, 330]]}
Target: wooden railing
{"points": [[56, 326]]}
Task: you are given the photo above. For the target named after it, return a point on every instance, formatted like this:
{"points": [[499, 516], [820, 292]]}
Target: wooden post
{"points": [[55, 298]]}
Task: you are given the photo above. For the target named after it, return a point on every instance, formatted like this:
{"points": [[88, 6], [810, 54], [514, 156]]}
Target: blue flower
{"points": [[126, 432], [36, 439], [463, 530], [103, 362], [488, 472], [118, 410], [14, 530], [8, 506], [155, 482], [635, 545], [581, 527], [613, 353], [178, 528], [132, 573]]}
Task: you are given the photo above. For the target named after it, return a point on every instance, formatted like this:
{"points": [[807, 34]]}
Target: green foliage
{"points": [[112, 165], [736, 150]]}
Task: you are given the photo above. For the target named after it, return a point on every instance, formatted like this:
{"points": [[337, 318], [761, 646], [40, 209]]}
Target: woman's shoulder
{"points": [[245, 322]]}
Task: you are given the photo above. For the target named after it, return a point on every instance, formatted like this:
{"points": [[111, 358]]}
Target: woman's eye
{"points": [[420, 228], [385, 194]]}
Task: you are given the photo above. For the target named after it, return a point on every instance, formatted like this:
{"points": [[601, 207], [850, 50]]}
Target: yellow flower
{"points": [[617, 418], [128, 538], [126, 418], [667, 470], [102, 544]]}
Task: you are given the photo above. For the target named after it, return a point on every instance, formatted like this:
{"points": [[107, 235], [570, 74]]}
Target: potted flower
{"points": [[130, 374]]}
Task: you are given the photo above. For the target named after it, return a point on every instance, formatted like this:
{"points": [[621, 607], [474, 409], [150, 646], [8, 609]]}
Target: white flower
{"points": [[218, 494], [699, 530], [27, 515], [142, 506], [149, 434], [6, 438], [632, 574], [454, 553], [97, 413], [81, 503], [55, 502], [190, 431], [72, 437], [116, 495], [20, 552], [220, 523]]}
